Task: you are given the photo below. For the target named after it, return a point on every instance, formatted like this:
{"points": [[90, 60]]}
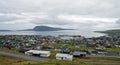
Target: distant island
{"points": [[41, 28], [45, 28], [111, 32], [5, 30]]}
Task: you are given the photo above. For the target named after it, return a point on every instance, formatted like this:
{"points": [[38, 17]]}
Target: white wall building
{"points": [[39, 53], [61, 56]]}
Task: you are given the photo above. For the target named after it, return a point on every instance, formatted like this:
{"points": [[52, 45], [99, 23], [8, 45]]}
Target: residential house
{"points": [[79, 54], [38, 53], [61, 56]]}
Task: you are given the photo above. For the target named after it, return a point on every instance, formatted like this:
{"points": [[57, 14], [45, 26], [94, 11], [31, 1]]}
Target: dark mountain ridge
{"points": [[45, 28]]}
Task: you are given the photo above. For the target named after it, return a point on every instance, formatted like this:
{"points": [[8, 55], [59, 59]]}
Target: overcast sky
{"points": [[78, 14]]}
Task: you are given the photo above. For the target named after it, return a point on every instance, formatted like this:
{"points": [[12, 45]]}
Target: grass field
{"points": [[15, 61], [9, 50], [76, 61], [113, 49]]}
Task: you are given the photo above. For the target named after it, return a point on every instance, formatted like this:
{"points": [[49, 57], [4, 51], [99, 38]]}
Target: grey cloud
{"points": [[108, 8], [9, 17], [54, 8], [62, 22], [51, 21], [4, 18], [118, 21]]}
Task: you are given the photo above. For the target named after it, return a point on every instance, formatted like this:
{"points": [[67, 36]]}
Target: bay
{"points": [[84, 33]]}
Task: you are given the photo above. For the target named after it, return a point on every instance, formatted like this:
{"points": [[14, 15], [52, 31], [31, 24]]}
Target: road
{"points": [[106, 63], [25, 57], [38, 59], [103, 56]]}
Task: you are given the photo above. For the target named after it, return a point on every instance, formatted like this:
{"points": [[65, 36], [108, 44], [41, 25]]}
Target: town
{"points": [[62, 47]]}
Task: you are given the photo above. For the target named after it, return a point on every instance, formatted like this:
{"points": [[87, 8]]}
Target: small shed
{"points": [[79, 54], [38, 53], [61, 56]]}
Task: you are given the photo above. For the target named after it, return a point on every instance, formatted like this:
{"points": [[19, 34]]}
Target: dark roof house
{"points": [[79, 54], [66, 51]]}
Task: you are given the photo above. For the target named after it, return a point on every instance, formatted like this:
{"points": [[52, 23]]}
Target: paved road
{"points": [[38, 59], [114, 63], [111, 63], [103, 56], [25, 57]]}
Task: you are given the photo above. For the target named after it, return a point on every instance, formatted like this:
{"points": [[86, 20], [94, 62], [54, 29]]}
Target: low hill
{"points": [[5, 30], [46, 28], [111, 32]]}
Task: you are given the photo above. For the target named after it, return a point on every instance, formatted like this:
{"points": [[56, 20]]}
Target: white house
{"points": [[61, 56], [38, 53]]}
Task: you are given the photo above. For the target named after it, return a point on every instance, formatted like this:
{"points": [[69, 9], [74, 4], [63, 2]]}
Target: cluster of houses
{"points": [[106, 41], [59, 56], [26, 44], [22, 41]]}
